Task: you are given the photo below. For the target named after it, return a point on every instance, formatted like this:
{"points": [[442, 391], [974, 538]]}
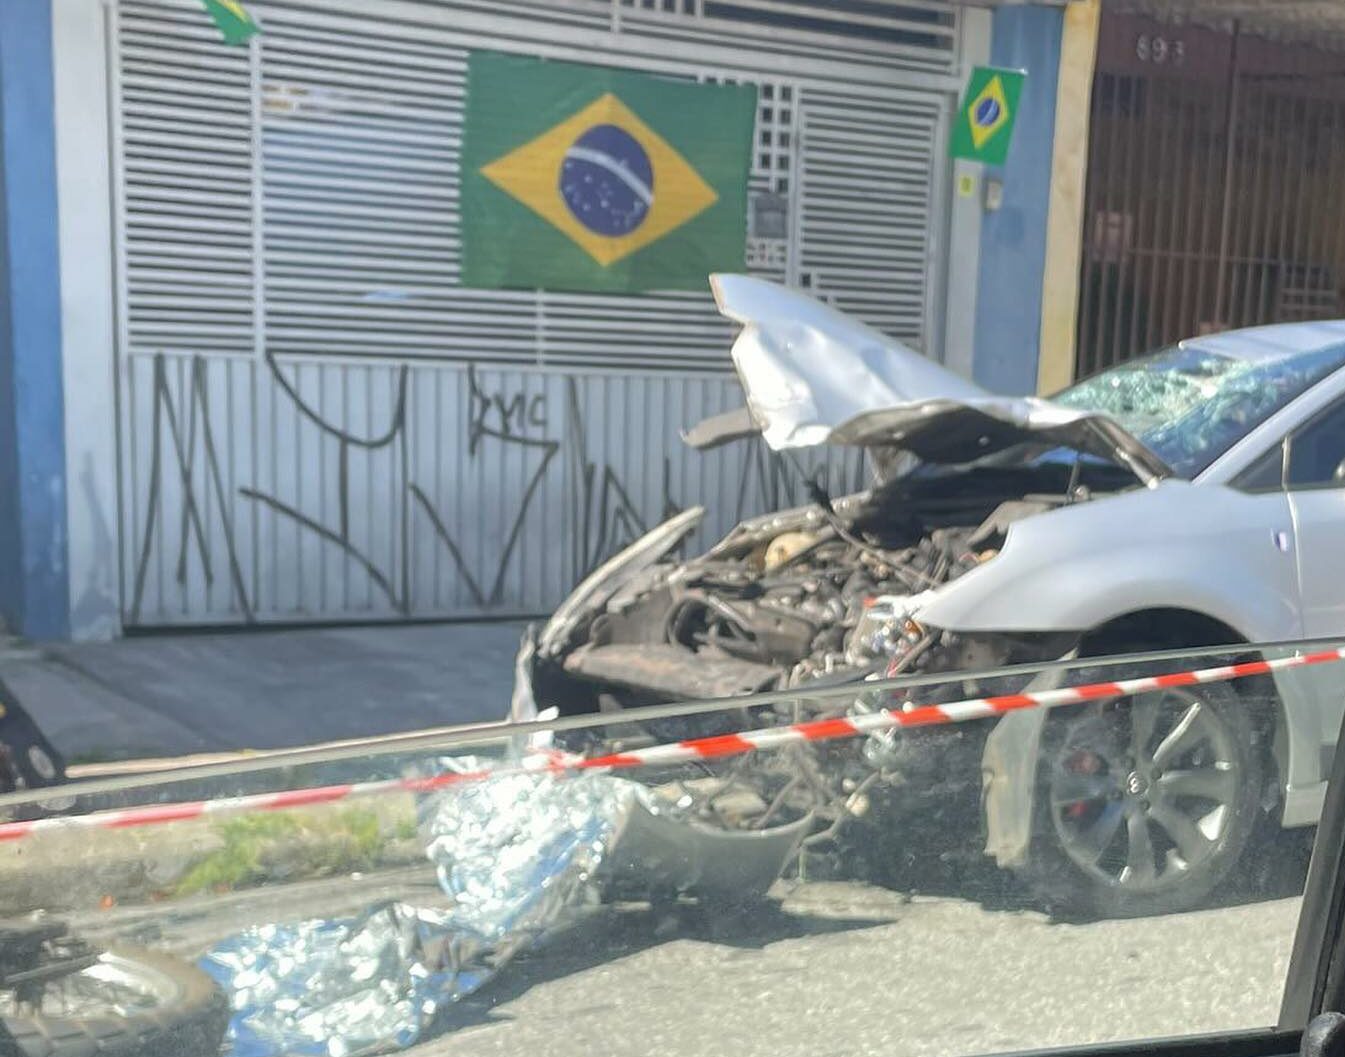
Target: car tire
{"points": [[188, 1018], [1129, 826]]}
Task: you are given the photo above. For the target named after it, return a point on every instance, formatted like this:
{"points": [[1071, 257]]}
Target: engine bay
{"points": [[818, 592]]}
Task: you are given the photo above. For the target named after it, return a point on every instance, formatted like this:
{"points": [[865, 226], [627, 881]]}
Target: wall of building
{"points": [[33, 583], [62, 549], [240, 491], [1013, 236]]}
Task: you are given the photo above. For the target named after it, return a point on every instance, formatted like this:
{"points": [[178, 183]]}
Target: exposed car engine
{"points": [[821, 592]]}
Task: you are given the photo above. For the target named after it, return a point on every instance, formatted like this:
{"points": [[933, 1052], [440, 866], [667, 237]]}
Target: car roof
{"points": [[1275, 341]]}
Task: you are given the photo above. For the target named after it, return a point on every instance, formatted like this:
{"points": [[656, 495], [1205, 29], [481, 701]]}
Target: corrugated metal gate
{"points": [[1213, 200], [318, 422]]}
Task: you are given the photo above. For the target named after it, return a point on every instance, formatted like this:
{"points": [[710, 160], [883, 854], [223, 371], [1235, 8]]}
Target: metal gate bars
{"points": [[1215, 165]]}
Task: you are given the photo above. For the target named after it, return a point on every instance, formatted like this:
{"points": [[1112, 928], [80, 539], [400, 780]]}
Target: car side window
{"points": [[1317, 452], [1264, 475]]}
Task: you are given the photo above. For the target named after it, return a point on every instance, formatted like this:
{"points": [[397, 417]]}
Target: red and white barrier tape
{"points": [[696, 749]]}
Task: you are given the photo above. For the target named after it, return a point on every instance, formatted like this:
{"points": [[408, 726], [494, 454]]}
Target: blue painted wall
{"points": [[34, 594], [1013, 238]]}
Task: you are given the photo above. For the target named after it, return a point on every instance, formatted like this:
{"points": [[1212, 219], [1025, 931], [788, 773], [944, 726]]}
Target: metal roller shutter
{"points": [[287, 234]]}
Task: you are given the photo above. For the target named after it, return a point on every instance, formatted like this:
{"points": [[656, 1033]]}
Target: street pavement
{"points": [[950, 960], [182, 694], [848, 970], [824, 968]]}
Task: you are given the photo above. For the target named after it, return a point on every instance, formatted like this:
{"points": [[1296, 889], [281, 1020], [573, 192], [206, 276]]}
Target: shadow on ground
{"points": [[928, 861], [616, 932], [1277, 870]]}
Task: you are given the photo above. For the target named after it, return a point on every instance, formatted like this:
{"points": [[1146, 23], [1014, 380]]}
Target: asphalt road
{"points": [[826, 968], [845, 969], [834, 967]]}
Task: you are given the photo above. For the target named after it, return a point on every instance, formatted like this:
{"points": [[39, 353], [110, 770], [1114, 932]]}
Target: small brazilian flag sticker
{"points": [[984, 124], [232, 19]]}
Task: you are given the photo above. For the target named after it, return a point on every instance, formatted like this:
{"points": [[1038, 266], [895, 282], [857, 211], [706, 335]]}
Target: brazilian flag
{"points": [[232, 19], [590, 178]]}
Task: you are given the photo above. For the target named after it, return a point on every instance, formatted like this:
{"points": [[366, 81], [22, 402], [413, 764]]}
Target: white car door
{"points": [[1314, 477]]}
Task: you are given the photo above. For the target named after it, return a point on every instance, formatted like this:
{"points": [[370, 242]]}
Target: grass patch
{"points": [[265, 847]]}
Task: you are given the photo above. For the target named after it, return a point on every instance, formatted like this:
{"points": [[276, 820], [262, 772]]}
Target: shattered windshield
{"points": [[1189, 405]]}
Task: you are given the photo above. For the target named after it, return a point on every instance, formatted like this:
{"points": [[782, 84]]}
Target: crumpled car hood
{"points": [[813, 375]]}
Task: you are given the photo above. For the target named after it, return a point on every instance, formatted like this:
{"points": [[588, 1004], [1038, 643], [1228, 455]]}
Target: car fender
{"points": [[1204, 548], [1201, 548]]}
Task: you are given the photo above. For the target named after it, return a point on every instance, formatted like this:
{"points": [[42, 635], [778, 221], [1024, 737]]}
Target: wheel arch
{"points": [[1009, 784], [1160, 627], [1177, 628]]}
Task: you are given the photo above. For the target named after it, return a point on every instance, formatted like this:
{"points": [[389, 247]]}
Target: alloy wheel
{"points": [[1144, 791]]}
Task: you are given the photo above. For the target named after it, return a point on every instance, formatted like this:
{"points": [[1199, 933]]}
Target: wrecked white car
{"points": [[1192, 498]]}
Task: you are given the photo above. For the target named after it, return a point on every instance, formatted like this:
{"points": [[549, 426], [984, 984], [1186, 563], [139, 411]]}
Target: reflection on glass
{"points": [[691, 874]]}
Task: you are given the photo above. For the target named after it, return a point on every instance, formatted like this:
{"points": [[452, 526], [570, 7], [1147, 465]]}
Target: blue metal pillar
{"points": [[34, 592], [1013, 237]]}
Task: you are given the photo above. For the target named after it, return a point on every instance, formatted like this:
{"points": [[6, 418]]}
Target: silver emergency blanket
{"points": [[518, 855]]}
